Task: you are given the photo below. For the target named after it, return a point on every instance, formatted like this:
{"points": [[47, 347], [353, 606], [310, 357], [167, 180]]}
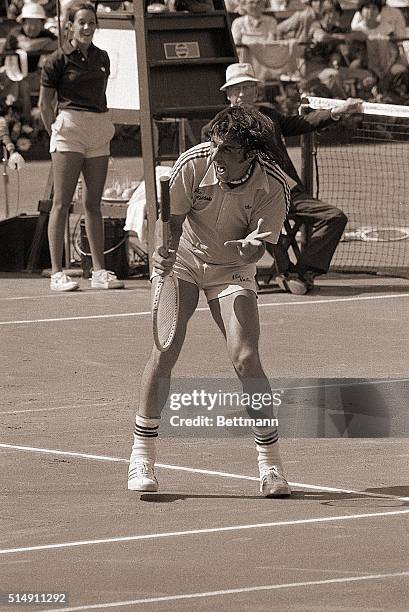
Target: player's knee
{"points": [[246, 362]]}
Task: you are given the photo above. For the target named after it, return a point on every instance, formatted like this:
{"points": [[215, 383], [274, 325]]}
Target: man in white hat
{"points": [[32, 37], [326, 223]]}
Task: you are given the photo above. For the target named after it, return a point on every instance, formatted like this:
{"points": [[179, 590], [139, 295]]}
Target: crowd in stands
{"points": [[333, 56], [316, 49]]}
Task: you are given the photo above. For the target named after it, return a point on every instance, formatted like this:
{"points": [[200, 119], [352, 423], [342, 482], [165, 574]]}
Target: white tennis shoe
{"points": [[141, 476], [105, 279], [62, 282], [273, 483]]}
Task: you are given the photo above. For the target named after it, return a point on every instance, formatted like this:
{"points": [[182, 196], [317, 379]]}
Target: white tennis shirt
{"points": [[216, 213]]}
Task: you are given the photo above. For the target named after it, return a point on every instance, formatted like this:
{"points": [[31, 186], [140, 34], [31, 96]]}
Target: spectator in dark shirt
{"points": [[75, 77], [30, 36], [326, 223], [333, 55]]}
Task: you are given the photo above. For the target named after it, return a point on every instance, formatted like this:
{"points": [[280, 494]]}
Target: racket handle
{"points": [[165, 209]]}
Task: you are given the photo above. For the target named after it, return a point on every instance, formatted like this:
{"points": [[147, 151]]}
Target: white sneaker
{"points": [[104, 279], [141, 476], [273, 483], [62, 282]]}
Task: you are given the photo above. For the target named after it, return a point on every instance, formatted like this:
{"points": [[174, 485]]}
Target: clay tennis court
{"points": [[71, 366]]}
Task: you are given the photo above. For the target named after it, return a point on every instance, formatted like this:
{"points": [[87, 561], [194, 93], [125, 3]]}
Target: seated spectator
{"points": [[299, 24], [16, 6], [15, 160], [253, 26], [31, 37], [255, 34], [383, 56], [331, 54], [387, 13]]}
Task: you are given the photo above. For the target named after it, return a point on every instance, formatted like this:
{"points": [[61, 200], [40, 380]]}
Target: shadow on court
{"points": [[324, 289], [319, 496]]}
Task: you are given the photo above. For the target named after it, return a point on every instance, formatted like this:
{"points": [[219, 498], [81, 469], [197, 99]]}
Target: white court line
{"points": [[80, 318], [252, 589], [203, 309], [180, 468], [70, 295], [208, 530], [68, 407]]}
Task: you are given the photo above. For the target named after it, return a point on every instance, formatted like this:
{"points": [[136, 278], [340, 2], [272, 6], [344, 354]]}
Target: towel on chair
{"points": [[136, 212]]}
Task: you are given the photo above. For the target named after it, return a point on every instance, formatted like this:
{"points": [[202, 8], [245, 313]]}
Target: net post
{"points": [[307, 165]]}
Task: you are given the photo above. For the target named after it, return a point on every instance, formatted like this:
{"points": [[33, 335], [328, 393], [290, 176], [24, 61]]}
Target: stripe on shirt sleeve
{"points": [[198, 152], [274, 170]]}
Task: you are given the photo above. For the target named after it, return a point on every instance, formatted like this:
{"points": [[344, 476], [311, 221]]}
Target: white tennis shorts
{"points": [[82, 132], [216, 280]]}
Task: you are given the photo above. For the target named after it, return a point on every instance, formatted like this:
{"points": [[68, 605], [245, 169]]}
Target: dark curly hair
{"points": [[252, 130]]}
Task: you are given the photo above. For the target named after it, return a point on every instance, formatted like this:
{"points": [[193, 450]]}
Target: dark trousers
{"points": [[325, 225]]}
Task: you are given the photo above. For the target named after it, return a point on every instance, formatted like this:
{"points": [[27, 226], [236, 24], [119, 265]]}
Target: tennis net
{"points": [[362, 167]]}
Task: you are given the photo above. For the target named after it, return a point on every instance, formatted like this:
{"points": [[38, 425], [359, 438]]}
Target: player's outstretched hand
{"points": [[248, 247], [163, 261], [349, 107]]}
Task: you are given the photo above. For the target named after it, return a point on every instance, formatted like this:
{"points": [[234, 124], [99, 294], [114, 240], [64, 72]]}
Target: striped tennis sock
{"points": [[145, 434], [268, 450]]}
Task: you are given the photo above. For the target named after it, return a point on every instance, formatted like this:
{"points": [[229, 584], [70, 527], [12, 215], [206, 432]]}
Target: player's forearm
{"points": [[47, 107], [176, 228], [174, 232]]}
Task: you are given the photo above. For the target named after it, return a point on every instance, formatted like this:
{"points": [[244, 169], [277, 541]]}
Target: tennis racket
{"points": [[165, 289], [377, 234]]}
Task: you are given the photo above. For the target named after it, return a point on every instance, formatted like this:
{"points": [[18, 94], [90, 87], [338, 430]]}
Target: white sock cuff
{"points": [[265, 435], [150, 422]]}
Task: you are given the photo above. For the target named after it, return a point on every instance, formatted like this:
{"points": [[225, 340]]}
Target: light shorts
{"points": [[216, 280], [82, 132]]}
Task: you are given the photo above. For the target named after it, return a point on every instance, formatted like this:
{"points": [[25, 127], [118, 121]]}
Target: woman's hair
{"points": [[79, 5]]}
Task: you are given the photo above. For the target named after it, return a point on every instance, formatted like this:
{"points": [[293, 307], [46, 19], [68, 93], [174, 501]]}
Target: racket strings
{"points": [[167, 312]]}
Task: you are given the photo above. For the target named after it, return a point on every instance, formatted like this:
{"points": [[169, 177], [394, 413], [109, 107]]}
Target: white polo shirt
{"points": [[216, 213]]}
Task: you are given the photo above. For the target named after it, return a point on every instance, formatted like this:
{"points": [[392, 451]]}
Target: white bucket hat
{"points": [[32, 10], [239, 73]]}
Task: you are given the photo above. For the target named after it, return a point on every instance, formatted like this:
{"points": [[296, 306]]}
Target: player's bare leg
{"points": [[154, 393], [237, 317]]}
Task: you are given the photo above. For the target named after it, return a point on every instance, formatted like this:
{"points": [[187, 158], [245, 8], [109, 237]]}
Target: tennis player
{"points": [[325, 222], [227, 198]]}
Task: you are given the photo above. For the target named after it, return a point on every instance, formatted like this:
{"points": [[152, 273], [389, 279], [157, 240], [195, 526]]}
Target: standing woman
{"points": [[74, 111]]}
